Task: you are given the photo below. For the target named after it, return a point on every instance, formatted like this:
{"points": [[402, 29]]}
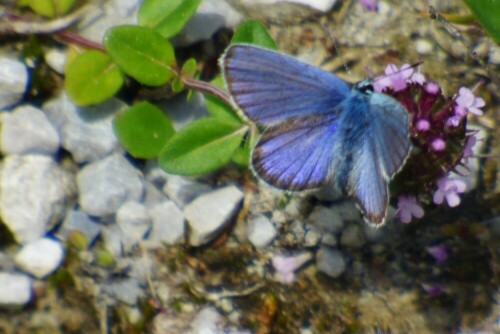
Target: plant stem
{"points": [[206, 87], [71, 37]]}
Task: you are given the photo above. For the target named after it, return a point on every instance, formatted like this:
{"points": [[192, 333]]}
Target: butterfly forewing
{"points": [[296, 154], [270, 87]]}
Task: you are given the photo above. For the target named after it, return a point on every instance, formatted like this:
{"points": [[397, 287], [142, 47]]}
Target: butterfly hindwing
{"points": [[390, 134], [296, 154], [383, 148], [271, 87]]}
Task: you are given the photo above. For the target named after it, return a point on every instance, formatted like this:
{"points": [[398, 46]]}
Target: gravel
{"points": [[27, 130], [107, 184], [209, 213], [41, 257], [35, 193]]}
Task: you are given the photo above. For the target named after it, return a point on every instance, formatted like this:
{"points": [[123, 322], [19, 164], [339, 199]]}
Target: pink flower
{"points": [[469, 144], [439, 253], [418, 78], [454, 120], [286, 266], [408, 207], [432, 88], [423, 125], [438, 145], [369, 5], [394, 78], [466, 100], [449, 189]]}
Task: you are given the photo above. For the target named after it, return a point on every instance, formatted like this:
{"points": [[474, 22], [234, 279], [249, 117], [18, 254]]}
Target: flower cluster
{"points": [[440, 138]]}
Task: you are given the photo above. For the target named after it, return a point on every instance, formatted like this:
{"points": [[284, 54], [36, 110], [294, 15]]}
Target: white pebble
{"points": [[208, 214], [15, 289], [261, 231], [27, 130], [41, 257], [13, 81]]}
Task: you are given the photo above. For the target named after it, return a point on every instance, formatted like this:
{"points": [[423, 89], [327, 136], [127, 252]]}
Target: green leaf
{"points": [[142, 53], [143, 130], [49, 8], [253, 32], [201, 147], [168, 17], [488, 13], [189, 67], [219, 109], [242, 154], [177, 85], [92, 77]]}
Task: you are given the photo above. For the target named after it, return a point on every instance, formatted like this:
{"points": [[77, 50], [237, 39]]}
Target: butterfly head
{"points": [[365, 87]]}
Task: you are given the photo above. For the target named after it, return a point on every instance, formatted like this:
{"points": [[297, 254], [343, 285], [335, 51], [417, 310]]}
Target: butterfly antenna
{"points": [[335, 46]]}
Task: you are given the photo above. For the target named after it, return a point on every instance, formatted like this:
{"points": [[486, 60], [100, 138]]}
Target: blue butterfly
{"points": [[318, 131]]}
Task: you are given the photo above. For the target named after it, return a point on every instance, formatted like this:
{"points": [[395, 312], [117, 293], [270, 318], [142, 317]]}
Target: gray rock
{"points": [[15, 289], [298, 229], [348, 211], [79, 221], [168, 224], [326, 219], [34, 193], [13, 81], [106, 184], [329, 239], [109, 14], [175, 109], [153, 195], [126, 291], [321, 5], [27, 130], [154, 174], [183, 190], [352, 236], [330, 262], [312, 237], [207, 321], [261, 231], [208, 214], [423, 46], [56, 59], [134, 222], [41, 257], [113, 240], [210, 17], [86, 132]]}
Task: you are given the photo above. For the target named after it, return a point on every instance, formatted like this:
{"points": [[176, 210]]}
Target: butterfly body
{"points": [[318, 131]]}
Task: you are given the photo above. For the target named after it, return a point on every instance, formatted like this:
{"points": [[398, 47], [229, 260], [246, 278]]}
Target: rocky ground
{"points": [[94, 241]]}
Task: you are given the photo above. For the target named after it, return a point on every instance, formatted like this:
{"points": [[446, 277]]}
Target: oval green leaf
{"points": [[142, 53], [49, 8], [189, 67], [143, 130], [167, 17], [253, 32], [92, 78], [488, 13], [219, 109], [201, 147]]}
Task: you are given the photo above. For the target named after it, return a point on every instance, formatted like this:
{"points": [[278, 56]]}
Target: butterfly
{"points": [[317, 130]]}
